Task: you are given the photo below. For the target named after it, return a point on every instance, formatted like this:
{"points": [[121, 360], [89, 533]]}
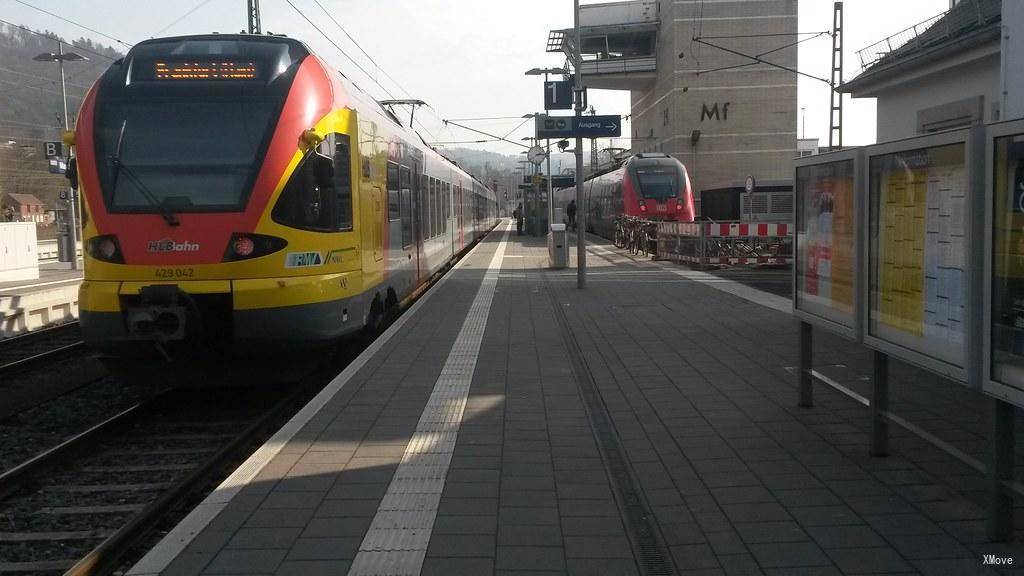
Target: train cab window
{"points": [[394, 207], [406, 207], [318, 195]]}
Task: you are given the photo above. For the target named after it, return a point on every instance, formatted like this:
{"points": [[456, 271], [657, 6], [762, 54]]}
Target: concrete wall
{"points": [[1013, 59], [757, 134]]}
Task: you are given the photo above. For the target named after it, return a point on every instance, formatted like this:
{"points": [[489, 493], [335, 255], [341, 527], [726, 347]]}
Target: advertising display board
{"points": [[1004, 262], [919, 250], [826, 214]]}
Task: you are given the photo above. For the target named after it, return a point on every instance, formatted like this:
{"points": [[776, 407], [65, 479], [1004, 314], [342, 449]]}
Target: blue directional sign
{"points": [[555, 127], [597, 127]]}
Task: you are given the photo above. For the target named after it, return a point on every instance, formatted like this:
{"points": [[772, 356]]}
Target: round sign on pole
{"points": [[749, 187], [535, 155]]}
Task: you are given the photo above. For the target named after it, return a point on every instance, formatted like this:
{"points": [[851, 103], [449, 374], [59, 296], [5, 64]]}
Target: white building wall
{"points": [[899, 104], [1012, 64]]}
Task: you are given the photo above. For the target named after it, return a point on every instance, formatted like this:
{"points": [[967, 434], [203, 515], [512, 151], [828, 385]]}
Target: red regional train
{"points": [[242, 196], [653, 186]]}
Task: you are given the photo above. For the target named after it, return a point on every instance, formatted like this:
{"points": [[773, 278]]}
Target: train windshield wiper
{"points": [[119, 166]]}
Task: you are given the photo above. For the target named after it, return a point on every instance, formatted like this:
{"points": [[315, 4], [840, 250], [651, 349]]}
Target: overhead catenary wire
{"points": [[337, 47], [377, 66], [72, 22], [180, 18]]}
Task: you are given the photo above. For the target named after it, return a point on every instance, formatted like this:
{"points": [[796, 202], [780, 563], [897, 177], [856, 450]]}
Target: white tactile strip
{"points": [[396, 542], [174, 543]]}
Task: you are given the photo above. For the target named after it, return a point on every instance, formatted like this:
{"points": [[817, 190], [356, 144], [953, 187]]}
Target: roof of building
{"points": [[25, 199], [969, 23]]}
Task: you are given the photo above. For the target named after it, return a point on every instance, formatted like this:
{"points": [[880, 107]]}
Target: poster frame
{"points": [[855, 331], [974, 155], [1000, 390]]}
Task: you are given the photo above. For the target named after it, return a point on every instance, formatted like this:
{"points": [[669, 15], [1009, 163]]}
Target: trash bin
{"points": [[558, 246]]}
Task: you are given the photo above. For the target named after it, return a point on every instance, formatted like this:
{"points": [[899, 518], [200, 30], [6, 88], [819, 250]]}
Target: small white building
{"points": [[962, 67], [806, 147]]}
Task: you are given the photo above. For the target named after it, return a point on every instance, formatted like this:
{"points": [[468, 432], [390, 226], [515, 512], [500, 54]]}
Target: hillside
{"points": [[31, 111]]}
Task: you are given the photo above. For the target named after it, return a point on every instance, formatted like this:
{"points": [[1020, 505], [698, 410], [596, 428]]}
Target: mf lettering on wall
{"points": [[709, 113]]}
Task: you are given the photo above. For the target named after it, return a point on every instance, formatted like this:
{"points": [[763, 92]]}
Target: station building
{"points": [[955, 69], [720, 113]]}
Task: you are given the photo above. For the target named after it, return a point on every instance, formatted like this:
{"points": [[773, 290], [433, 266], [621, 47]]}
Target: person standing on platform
{"points": [[518, 215], [570, 211]]}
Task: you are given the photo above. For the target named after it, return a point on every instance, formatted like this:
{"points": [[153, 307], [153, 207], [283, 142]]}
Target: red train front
{"points": [[652, 186]]}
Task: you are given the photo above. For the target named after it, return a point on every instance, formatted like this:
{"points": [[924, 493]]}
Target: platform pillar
{"points": [[999, 526], [806, 365], [880, 404]]}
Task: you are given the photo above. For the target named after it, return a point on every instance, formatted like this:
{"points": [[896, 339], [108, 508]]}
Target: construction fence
{"points": [[725, 243]]}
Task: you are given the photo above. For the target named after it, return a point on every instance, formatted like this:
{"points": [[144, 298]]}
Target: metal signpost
{"points": [[581, 242]]}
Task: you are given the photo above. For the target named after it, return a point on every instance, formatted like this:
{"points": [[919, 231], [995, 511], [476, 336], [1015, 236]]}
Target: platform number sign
{"points": [[53, 149], [558, 95]]}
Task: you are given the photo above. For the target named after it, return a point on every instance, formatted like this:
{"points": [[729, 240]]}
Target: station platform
{"points": [[31, 304], [509, 423]]}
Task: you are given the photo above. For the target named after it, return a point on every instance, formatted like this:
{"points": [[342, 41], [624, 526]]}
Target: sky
{"points": [[466, 58]]}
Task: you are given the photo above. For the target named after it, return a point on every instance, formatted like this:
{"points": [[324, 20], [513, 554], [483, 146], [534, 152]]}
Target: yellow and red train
{"points": [[239, 195]]}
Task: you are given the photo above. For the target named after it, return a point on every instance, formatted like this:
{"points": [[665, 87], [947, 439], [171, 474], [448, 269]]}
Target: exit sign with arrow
{"points": [[578, 126]]}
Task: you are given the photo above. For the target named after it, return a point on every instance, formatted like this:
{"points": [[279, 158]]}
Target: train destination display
{"points": [[917, 247], [826, 241], [1007, 316], [205, 70]]}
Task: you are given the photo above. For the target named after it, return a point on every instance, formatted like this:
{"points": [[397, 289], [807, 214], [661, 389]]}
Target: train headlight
{"points": [[105, 248], [643, 207], [244, 246]]}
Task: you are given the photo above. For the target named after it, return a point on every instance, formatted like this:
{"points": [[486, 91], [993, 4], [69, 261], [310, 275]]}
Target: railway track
{"points": [[79, 507], [20, 352]]}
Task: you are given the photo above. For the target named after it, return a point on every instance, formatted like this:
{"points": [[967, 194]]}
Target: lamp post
{"points": [[581, 242], [60, 57]]}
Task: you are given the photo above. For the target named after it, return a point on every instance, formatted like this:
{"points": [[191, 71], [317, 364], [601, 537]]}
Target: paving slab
{"points": [[693, 384]]}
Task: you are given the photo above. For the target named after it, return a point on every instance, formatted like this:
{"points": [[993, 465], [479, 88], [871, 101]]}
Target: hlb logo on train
{"points": [[168, 245], [303, 259]]}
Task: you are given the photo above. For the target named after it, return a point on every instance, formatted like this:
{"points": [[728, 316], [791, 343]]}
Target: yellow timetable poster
{"points": [[919, 257]]}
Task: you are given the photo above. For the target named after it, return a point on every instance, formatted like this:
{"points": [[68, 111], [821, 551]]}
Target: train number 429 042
{"points": [[175, 272]]}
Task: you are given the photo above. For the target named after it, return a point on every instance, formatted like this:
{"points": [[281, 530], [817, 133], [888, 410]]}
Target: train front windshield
{"points": [[185, 155], [185, 125], [659, 180]]}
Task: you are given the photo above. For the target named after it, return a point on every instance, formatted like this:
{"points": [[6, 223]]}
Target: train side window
{"points": [[422, 206], [406, 207], [432, 207], [442, 223], [308, 199], [440, 207], [394, 207], [447, 206]]}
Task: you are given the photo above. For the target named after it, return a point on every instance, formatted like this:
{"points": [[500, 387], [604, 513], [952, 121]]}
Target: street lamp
{"points": [[546, 71], [60, 57]]}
